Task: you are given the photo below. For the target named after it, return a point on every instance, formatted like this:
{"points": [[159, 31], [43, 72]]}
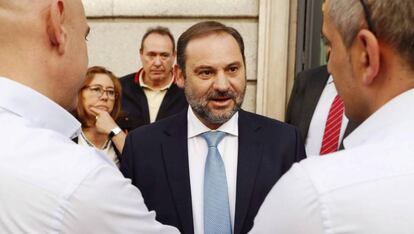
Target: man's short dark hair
{"points": [[164, 31], [202, 29]]}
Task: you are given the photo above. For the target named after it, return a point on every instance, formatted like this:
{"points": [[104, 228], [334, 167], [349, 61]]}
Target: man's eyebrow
{"points": [[203, 67], [237, 63]]}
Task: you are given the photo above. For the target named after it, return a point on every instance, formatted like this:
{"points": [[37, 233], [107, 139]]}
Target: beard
{"points": [[202, 110]]}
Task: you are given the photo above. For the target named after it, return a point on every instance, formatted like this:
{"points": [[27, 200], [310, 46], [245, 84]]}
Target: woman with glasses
{"points": [[99, 103]]}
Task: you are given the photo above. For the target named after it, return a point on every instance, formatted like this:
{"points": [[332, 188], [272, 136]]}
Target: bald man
{"points": [[48, 184]]}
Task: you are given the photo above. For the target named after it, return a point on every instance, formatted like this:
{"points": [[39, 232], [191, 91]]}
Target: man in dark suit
{"points": [[192, 183], [151, 93], [309, 103]]}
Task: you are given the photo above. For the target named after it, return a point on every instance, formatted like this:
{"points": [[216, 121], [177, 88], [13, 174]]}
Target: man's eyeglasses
{"points": [[367, 16], [98, 91]]}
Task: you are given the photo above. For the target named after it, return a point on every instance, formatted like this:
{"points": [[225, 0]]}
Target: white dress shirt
{"points": [[314, 138], [367, 188], [49, 184], [197, 154]]}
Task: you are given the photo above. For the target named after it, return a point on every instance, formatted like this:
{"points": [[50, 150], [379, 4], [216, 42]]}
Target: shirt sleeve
{"points": [[292, 206], [106, 202]]}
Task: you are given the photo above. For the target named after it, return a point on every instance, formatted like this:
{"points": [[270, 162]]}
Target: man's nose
{"points": [[157, 60], [221, 82]]}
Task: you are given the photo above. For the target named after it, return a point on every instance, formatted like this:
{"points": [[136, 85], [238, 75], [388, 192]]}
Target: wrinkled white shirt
{"points": [[49, 184], [368, 188]]}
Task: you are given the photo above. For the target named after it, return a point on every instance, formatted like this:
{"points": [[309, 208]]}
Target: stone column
{"points": [[276, 51]]}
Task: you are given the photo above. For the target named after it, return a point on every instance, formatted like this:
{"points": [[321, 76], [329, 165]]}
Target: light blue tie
{"points": [[216, 198]]}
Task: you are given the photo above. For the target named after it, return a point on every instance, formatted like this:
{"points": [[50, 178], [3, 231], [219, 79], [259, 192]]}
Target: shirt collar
{"points": [[140, 76], [36, 108], [330, 80], [394, 119], [196, 127]]}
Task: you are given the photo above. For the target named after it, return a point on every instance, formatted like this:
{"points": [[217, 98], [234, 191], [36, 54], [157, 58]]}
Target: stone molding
{"points": [[174, 9], [274, 64]]}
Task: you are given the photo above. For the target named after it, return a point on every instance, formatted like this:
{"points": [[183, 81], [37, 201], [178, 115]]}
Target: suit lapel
{"points": [[316, 85], [249, 158], [175, 154]]}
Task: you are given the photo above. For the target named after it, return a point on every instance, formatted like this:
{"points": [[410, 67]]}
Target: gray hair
{"points": [[392, 22]]}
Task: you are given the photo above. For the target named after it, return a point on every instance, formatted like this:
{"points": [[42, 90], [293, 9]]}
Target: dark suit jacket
{"points": [[155, 157], [135, 111], [305, 95]]}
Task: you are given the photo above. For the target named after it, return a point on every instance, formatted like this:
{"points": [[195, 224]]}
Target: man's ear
{"points": [[55, 29], [369, 56], [179, 76]]}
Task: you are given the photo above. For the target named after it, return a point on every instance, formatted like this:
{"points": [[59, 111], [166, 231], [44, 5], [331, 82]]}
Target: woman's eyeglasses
{"points": [[98, 91]]}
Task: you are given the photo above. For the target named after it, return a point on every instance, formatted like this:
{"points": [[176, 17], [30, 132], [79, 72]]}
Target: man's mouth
{"points": [[221, 101]]}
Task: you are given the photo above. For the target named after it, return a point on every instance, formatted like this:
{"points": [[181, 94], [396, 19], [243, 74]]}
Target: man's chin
{"points": [[221, 111], [221, 115], [157, 77]]}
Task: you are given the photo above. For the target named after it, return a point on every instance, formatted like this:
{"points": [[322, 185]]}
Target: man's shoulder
{"points": [[368, 163], [127, 79], [325, 171], [49, 160], [159, 127], [58, 148], [318, 71], [129, 87], [177, 91], [174, 87], [246, 116]]}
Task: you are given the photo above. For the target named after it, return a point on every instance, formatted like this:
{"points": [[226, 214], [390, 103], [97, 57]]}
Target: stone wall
{"points": [[117, 27], [267, 26]]}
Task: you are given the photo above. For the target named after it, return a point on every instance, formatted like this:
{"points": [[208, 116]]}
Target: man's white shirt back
{"points": [[368, 188], [197, 155], [49, 184]]}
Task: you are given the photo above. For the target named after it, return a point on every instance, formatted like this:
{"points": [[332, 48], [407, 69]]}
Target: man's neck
{"points": [[158, 84]]}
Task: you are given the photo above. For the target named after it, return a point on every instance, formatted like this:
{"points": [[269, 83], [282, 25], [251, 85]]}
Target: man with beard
{"points": [[193, 180]]}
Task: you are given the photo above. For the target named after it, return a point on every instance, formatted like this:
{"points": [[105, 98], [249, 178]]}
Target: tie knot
{"points": [[213, 138]]}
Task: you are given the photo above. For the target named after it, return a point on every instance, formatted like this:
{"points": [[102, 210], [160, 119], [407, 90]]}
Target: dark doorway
{"points": [[309, 47]]}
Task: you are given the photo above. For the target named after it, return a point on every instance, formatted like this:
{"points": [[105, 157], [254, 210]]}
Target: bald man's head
{"points": [[13, 5], [47, 38]]}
